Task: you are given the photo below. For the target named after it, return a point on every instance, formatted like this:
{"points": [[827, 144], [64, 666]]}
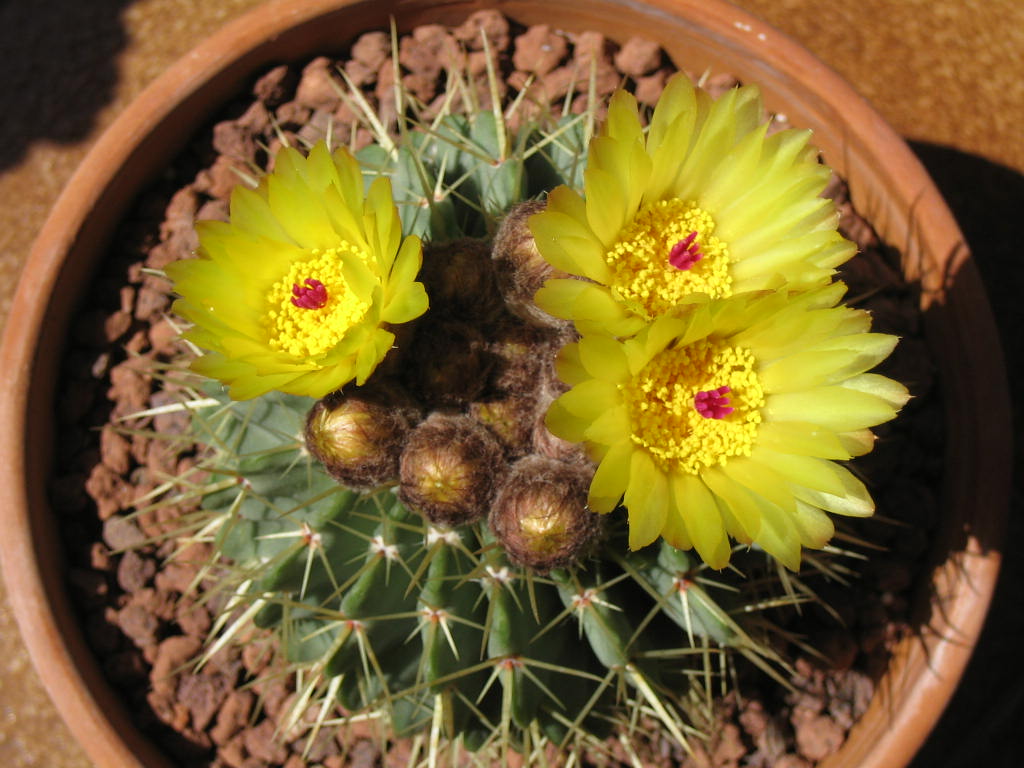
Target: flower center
{"points": [[679, 411], [713, 403], [685, 253], [667, 252], [312, 307], [312, 296]]}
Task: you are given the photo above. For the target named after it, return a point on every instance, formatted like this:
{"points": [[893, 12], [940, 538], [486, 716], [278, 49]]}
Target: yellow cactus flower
{"points": [[703, 201], [296, 292], [727, 417]]}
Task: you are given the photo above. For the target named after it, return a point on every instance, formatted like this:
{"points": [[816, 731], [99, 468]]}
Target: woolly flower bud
{"points": [[540, 515], [459, 278], [521, 270], [510, 418], [448, 470], [358, 436], [447, 363]]}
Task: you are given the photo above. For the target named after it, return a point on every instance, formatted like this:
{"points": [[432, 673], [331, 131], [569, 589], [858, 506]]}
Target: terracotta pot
{"points": [[888, 186]]}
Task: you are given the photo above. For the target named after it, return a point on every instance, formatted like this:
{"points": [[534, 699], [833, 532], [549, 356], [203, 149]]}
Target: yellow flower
{"points": [[705, 201], [295, 292], [726, 418]]}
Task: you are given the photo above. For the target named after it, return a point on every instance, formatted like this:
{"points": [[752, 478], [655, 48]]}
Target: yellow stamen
{"points": [[305, 332], [660, 400], [645, 280]]}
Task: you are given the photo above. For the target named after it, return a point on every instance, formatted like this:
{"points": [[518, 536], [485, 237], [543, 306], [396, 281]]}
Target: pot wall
{"points": [[887, 185]]}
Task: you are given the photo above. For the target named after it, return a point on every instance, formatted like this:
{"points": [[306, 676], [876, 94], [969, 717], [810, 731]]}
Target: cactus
{"points": [[513, 617], [384, 612]]}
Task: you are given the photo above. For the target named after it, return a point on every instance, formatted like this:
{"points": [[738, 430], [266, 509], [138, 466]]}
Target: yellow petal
{"points": [[760, 481], [646, 499], [779, 536], [731, 178], [837, 408], [698, 508], [731, 116], [857, 443], [300, 214], [606, 204], [622, 158], [406, 303], [557, 297], [350, 178], [408, 262], [569, 366], [892, 392], [594, 309], [674, 531], [604, 358], [622, 123], [325, 379], [250, 213], [610, 478], [589, 399], [774, 257], [737, 501], [370, 354], [802, 438], [610, 427], [678, 99], [564, 424], [814, 526], [671, 135], [827, 362], [383, 225], [805, 471]]}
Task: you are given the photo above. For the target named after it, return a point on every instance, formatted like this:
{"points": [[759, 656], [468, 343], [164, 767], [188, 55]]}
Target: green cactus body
{"points": [[384, 612]]}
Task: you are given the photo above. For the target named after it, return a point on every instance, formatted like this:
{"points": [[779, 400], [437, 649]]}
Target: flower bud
{"points": [[540, 515], [447, 364], [358, 435], [520, 354], [509, 418], [459, 278], [448, 470], [520, 268]]}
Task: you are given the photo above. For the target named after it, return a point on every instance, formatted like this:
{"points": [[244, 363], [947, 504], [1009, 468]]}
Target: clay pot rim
{"points": [[888, 735]]}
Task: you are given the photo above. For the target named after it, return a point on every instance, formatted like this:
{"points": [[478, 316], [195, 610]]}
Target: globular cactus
{"points": [[421, 545], [528, 621]]}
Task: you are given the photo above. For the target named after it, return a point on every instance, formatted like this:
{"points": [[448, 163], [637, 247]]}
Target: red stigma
{"points": [[713, 403], [312, 296], [685, 253]]}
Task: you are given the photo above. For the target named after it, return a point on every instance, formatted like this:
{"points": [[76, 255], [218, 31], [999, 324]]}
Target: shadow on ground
{"points": [[982, 723], [60, 66]]}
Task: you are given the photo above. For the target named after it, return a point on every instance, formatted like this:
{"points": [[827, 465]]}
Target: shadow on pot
{"points": [[986, 199]]}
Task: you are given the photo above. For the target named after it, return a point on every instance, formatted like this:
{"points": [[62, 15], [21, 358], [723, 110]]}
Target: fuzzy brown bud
{"points": [[510, 418], [459, 278], [448, 364], [521, 354], [448, 470], [358, 435], [540, 515], [520, 268]]}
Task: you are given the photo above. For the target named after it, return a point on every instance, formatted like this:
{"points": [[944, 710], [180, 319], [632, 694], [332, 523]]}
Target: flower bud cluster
{"points": [[455, 415]]}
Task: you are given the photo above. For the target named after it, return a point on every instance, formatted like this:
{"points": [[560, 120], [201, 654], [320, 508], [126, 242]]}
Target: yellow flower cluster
{"points": [[718, 380], [295, 292]]}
